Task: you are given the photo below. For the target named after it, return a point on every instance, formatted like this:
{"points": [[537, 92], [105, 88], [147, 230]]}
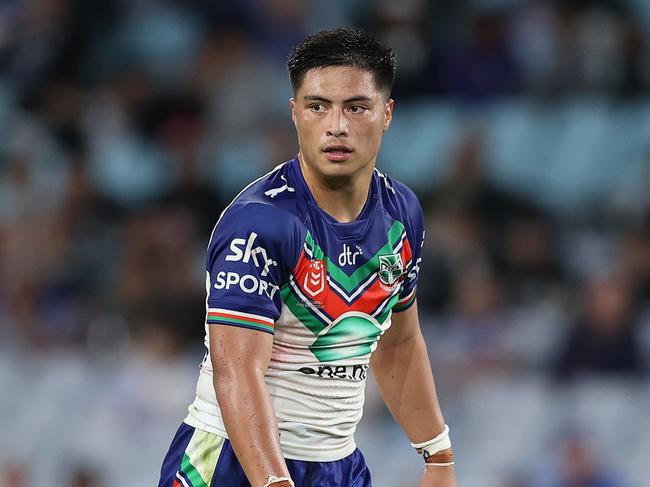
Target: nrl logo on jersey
{"points": [[391, 269], [314, 282]]}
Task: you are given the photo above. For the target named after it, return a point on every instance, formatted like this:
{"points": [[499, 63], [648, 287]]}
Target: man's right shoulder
{"points": [[267, 206], [269, 194], [255, 214]]}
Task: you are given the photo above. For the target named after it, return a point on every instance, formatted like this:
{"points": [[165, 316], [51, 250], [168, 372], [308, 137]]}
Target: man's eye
{"points": [[357, 109], [317, 107]]}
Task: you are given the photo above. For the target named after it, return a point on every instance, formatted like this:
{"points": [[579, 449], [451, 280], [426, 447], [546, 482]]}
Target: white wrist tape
{"points": [[272, 479], [446, 464], [431, 447]]}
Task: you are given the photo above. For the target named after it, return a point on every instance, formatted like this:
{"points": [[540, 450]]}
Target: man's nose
{"points": [[338, 124]]}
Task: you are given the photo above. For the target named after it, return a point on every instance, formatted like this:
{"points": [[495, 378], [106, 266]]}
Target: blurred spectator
{"points": [[83, 476], [14, 474], [455, 238], [470, 218], [603, 339], [159, 263], [635, 255], [528, 258], [405, 27], [279, 25], [467, 186], [472, 341], [160, 340], [479, 64], [576, 463]]}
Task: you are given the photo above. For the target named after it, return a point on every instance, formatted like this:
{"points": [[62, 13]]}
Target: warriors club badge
{"points": [[391, 269]]}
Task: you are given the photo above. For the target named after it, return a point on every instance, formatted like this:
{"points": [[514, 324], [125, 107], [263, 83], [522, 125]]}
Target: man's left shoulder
{"points": [[398, 199]]}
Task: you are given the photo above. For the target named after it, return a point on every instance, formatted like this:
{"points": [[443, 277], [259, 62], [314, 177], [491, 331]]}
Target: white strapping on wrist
{"points": [[272, 479], [446, 464], [437, 444]]}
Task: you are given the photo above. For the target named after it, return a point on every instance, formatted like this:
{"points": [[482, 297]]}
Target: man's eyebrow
{"points": [[358, 98], [361, 98], [315, 98]]}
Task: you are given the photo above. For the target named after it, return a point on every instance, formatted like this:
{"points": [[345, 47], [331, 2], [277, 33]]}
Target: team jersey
{"points": [[326, 290]]}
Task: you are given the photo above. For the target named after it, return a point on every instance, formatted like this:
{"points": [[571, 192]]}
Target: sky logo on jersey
{"points": [[314, 282], [258, 254], [391, 268]]}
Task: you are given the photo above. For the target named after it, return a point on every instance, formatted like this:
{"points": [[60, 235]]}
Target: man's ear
{"points": [[292, 106], [388, 113]]}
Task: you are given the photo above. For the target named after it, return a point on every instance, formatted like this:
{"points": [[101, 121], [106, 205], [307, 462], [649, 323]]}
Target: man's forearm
{"points": [[251, 425], [403, 374]]}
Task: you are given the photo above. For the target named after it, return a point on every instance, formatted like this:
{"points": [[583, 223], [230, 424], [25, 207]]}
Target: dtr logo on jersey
{"points": [[315, 278], [249, 252], [391, 268], [348, 257]]}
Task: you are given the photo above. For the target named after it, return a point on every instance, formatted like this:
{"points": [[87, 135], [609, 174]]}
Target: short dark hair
{"points": [[343, 46]]}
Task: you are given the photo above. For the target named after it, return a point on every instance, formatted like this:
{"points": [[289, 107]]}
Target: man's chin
{"points": [[338, 169], [347, 166]]}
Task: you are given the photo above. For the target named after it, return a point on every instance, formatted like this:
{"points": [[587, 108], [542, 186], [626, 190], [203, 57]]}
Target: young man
{"points": [[307, 268]]}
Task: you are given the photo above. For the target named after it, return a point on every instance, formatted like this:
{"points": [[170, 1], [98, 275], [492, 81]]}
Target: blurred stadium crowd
{"points": [[524, 125]]}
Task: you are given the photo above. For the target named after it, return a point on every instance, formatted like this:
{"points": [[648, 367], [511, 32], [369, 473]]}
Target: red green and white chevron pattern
{"points": [[346, 309]]}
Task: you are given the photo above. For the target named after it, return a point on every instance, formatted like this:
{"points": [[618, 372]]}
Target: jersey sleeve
{"points": [[414, 225], [251, 252]]}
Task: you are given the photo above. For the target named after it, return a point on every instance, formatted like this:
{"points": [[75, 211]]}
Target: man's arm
{"points": [[402, 371], [240, 358]]}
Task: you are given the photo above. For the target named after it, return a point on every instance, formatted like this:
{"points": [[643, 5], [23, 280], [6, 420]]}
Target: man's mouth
{"points": [[337, 152]]}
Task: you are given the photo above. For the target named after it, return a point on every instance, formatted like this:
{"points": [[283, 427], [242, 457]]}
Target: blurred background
{"points": [[524, 125]]}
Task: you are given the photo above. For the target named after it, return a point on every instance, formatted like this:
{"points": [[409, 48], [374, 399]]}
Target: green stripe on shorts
{"points": [[200, 458]]}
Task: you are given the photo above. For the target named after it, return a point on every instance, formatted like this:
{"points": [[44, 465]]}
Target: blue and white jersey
{"points": [[326, 290]]}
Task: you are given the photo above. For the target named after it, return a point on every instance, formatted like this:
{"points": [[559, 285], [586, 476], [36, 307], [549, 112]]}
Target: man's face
{"points": [[340, 117]]}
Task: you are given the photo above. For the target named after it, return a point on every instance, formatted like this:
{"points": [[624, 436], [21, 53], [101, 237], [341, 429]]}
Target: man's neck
{"points": [[341, 198]]}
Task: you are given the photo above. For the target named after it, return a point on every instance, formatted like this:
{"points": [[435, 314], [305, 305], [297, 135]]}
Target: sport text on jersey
{"points": [[248, 283]]}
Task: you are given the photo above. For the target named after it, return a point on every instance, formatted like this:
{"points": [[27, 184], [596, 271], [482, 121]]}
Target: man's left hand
{"points": [[439, 477]]}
